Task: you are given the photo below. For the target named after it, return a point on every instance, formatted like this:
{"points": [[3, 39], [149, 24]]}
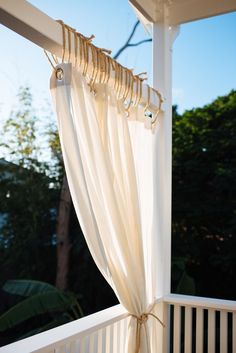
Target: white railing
{"points": [[193, 325], [201, 324], [103, 332]]}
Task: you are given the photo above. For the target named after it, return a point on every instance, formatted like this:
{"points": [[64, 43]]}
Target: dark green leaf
{"points": [[43, 303], [27, 288]]}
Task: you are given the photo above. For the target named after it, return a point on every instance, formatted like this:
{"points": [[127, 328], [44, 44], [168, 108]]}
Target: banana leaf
{"points": [[43, 303], [27, 288]]}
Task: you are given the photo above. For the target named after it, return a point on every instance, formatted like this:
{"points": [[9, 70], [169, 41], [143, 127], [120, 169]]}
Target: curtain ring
{"points": [[104, 69], [50, 61], [159, 106], [69, 43], [94, 65], [95, 70], [116, 76], [148, 99], [91, 82], [120, 79], [54, 62], [101, 67], [120, 82], [55, 59], [87, 46], [76, 48], [135, 103], [107, 76], [131, 89], [127, 84], [82, 53], [63, 40], [59, 73], [140, 90], [85, 54], [99, 76], [69, 31], [80, 49], [108, 69]]}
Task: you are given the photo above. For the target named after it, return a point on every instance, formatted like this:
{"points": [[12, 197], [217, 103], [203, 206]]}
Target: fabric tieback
{"points": [[141, 320]]}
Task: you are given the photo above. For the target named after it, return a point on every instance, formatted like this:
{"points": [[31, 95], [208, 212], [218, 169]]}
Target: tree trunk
{"points": [[63, 238]]}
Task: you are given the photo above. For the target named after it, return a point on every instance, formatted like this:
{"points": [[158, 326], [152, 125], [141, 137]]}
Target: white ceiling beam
{"points": [[192, 10], [26, 20], [181, 11], [146, 8]]}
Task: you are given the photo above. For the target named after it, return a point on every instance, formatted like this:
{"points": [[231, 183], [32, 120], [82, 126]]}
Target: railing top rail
{"points": [[188, 300], [45, 341]]}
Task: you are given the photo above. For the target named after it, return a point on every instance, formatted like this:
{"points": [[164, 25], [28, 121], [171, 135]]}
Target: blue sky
{"points": [[204, 56]]}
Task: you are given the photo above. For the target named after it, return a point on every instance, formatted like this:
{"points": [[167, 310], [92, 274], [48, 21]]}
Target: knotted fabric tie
{"points": [[141, 320]]}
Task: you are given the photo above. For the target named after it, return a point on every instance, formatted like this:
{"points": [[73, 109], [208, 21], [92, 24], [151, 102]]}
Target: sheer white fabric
{"points": [[109, 164]]}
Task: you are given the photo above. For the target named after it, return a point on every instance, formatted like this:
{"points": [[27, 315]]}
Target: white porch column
{"points": [[163, 37]]}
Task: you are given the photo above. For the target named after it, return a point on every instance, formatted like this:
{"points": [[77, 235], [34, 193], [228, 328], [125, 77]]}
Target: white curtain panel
{"points": [[109, 164]]}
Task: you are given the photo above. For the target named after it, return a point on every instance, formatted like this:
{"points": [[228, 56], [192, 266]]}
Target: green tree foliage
{"points": [[20, 132], [28, 198], [204, 194]]}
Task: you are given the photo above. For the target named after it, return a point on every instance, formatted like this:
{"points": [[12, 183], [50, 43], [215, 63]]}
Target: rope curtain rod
{"points": [[98, 67]]}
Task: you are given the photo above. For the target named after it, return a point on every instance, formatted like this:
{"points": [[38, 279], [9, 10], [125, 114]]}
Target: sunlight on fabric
{"points": [[108, 158]]}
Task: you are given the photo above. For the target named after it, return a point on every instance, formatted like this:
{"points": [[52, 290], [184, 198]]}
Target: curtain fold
{"points": [[108, 159]]}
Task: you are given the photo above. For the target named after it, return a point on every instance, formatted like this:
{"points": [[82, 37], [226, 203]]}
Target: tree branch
{"points": [[128, 44], [140, 42]]}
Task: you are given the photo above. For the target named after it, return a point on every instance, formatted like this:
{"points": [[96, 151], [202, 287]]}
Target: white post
{"points": [[163, 36]]}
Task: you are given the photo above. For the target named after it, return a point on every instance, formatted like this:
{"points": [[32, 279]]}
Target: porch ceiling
{"points": [[180, 11]]}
